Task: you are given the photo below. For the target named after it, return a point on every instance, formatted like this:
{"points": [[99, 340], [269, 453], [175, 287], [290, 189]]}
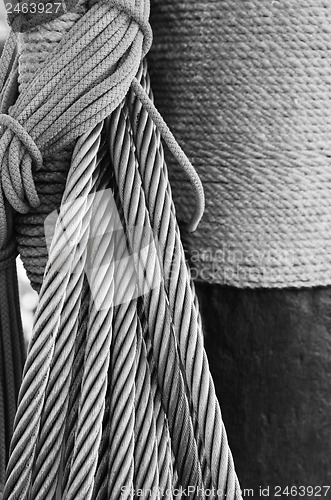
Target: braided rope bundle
{"points": [[252, 81], [116, 392]]}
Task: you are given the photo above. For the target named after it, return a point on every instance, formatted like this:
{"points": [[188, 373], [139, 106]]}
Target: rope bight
{"points": [[116, 394]]}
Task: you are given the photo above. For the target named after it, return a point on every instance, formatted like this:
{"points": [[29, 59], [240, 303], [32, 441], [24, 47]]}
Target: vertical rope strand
{"points": [[116, 389], [160, 326], [181, 302]]}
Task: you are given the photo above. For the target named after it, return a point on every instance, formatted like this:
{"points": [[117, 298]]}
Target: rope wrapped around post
{"points": [[116, 392], [252, 79]]}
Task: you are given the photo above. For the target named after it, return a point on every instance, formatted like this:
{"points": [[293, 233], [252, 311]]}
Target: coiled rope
{"points": [[116, 389], [177, 283], [252, 81]]}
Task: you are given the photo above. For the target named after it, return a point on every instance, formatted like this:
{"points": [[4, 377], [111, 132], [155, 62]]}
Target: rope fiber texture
{"points": [[250, 81], [116, 392]]}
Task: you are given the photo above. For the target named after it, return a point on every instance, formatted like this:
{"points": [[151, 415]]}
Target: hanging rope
{"points": [[116, 392], [12, 351], [177, 283]]}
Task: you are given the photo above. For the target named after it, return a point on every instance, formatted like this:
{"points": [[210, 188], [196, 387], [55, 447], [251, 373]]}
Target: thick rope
{"points": [[47, 329], [116, 388], [184, 314], [182, 308], [155, 304], [53, 417], [64, 100]]}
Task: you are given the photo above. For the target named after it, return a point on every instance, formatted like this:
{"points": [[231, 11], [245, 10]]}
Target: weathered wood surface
{"points": [[270, 356]]}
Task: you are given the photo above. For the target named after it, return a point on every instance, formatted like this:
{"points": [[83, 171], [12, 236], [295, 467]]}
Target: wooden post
{"points": [[270, 356]]}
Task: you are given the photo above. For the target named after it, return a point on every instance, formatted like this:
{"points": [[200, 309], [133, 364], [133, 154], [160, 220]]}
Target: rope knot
{"points": [[97, 77], [18, 152]]}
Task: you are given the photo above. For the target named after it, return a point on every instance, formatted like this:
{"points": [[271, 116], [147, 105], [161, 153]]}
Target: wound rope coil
{"points": [[252, 81], [114, 394]]}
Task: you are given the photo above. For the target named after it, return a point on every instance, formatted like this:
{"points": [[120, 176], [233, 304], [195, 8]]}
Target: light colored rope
{"points": [[245, 87], [125, 402], [147, 461], [64, 100], [182, 307], [57, 393], [155, 302], [56, 287], [166, 471]]}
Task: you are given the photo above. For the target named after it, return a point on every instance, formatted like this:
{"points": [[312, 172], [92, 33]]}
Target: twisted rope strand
{"points": [[74, 394], [122, 390], [96, 360], [133, 204], [181, 302], [51, 125], [147, 461], [57, 393], [41, 350], [124, 387]]}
